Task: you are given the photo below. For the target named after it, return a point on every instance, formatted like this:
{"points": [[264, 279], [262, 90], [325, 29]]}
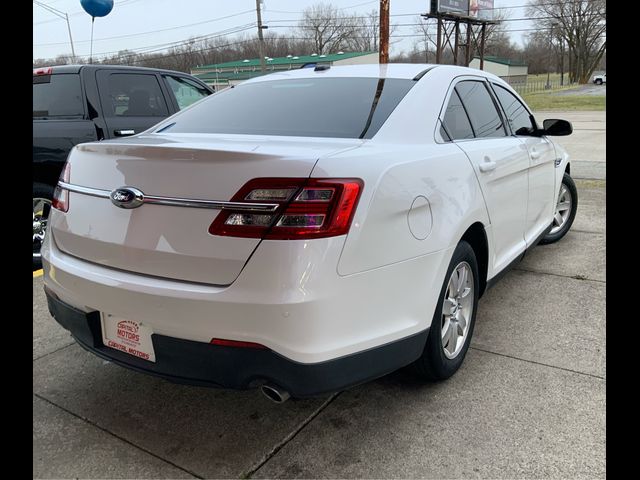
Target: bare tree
{"points": [[497, 39], [536, 52], [427, 42], [582, 24], [326, 28], [366, 33]]}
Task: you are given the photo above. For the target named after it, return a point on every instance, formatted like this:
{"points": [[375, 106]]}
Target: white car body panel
{"points": [[505, 193], [308, 300], [541, 201], [173, 242], [296, 308]]}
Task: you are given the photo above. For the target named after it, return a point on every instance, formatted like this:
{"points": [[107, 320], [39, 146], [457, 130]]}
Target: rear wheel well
{"points": [[476, 236], [568, 169]]}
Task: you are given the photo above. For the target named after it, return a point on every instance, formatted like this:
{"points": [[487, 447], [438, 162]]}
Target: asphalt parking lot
{"points": [[588, 89], [529, 401]]}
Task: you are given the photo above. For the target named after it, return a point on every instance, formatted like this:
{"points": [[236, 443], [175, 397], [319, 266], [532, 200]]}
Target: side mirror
{"points": [[556, 128]]}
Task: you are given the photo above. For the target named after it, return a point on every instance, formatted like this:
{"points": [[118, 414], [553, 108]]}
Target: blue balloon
{"points": [[97, 8]]}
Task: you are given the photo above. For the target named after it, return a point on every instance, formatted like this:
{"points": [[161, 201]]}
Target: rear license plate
{"points": [[128, 336]]}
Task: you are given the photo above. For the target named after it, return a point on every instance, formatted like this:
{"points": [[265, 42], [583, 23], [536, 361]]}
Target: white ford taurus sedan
{"points": [[305, 231]]}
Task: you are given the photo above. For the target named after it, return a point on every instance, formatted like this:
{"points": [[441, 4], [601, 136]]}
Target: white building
{"points": [[511, 71]]}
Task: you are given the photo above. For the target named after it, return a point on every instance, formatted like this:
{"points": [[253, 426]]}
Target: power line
{"points": [[169, 44], [159, 47], [123, 3], [149, 31]]}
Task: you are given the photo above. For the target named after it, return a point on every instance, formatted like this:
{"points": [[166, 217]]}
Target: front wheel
{"points": [[454, 318], [565, 211], [598, 82], [42, 195]]}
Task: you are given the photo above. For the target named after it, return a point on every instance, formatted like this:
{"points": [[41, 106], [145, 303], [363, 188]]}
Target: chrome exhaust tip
{"points": [[274, 393]]}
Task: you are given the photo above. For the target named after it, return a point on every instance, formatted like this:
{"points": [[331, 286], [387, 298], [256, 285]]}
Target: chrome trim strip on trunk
{"points": [[179, 202], [94, 192], [213, 204]]}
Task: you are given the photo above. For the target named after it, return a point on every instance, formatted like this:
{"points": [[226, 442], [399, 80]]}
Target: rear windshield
{"points": [[315, 107], [57, 96]]}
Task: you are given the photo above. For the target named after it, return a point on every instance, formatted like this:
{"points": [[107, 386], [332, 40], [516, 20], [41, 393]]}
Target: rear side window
{"points": [[310, 107], [517, 115], [57, 96], [456, 122], [185, 91], [134, 95], [484, 116]]}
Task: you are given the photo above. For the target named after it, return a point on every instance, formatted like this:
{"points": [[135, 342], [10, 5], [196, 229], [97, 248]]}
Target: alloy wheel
{"points": [[457, 309], [41, 210], [563, 210]]}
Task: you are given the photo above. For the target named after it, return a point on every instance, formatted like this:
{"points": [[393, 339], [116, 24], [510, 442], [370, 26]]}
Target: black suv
{"points": [[83, 103]]}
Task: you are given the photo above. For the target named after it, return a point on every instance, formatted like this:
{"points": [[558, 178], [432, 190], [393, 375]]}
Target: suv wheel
{"points": [[42, 195]]}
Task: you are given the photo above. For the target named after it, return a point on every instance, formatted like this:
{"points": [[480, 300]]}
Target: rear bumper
{"points": [[288, 297], [199, 363]]}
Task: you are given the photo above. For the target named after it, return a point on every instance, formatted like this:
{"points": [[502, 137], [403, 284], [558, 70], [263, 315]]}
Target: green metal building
{"points": [[222, 75]]}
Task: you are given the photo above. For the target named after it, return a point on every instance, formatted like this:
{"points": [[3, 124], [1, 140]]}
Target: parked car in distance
{"points": [[600, 79], [307, 230], [81, 103]]}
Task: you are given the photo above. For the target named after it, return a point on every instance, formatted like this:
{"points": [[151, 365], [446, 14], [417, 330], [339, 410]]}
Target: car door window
{"points": [[185, 91], [482, 111], [57, 96], [134, 95], [518, 116], [456, 125]]}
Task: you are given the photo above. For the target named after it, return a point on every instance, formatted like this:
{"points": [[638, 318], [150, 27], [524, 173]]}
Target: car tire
{"points": [[568, 188], [42, 195], [598, 82], [439, 360]]}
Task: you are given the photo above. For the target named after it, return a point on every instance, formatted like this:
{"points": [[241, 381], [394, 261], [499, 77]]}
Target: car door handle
{"points": [[488, 166], [534, 155], [124, 133]]}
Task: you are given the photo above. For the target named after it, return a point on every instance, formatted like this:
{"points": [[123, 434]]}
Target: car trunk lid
{"points": [[165, 240]]}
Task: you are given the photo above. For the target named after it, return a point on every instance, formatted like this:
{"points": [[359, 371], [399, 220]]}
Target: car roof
{"points": [[408, 71], [77, 68]]}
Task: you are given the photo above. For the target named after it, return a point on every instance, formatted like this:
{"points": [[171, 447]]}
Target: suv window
{"points": [[57, 96], [134, 95], [517, 114], [185, 91], [484, 116]]}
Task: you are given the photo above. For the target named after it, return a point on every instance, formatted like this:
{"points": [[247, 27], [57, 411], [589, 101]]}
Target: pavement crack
{"points": [[573, 277], [93, 424], [56, 350], [538, 363], [573, 230], [289, 437]]}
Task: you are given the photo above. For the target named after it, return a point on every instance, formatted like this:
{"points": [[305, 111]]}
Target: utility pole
{"points": [[548, 85], [64, 16], [561, 60], [384, 31], [263, 65]]}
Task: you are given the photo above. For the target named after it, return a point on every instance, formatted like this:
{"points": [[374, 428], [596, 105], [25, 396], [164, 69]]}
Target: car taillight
{"points": [[43, 71], [61, 195], [308, 208]]}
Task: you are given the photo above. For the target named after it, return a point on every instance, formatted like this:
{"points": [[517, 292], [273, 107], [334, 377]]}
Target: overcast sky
{"points": [[151, 24]]}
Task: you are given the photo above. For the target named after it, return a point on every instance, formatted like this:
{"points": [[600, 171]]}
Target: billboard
{"points": [[454, 7], [480, 9]]}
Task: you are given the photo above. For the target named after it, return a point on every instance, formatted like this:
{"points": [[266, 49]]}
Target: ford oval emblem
{"points": [[127, 197]]}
